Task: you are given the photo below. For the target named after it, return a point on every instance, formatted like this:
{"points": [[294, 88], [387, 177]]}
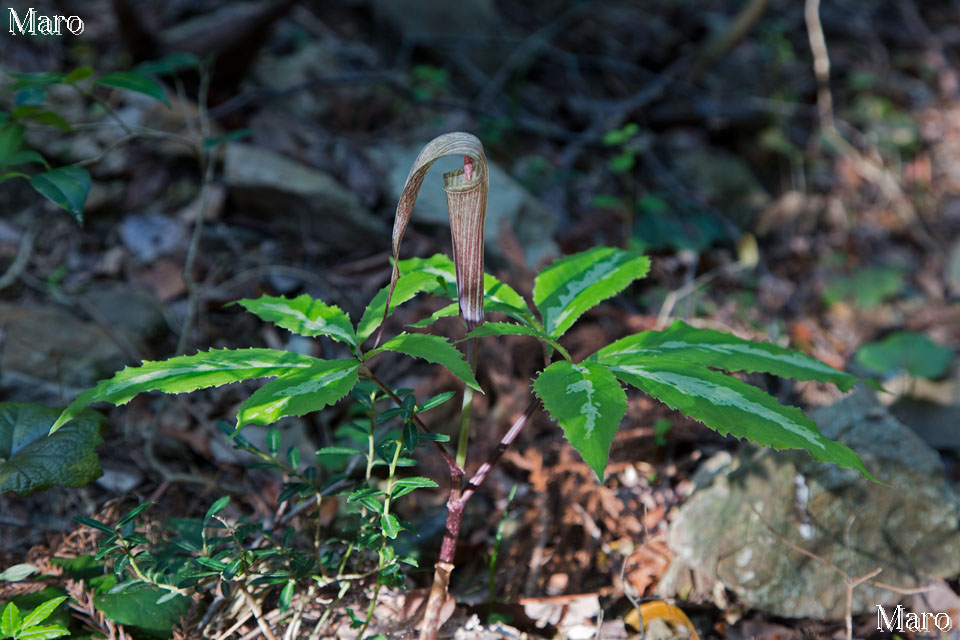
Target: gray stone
{"points": [[726, 182], [49, 354], [508, 203], [909, 528], [297, 196], [151, 235], [131, 309]]}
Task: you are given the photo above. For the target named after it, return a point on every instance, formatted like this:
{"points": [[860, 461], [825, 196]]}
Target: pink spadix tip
{"points": [[468, 168]]}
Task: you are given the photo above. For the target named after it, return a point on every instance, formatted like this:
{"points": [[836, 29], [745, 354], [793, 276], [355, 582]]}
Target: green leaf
{"points": [[907, 351], [410, 437], [10, 620], [170, 63], [390, 525], [732, 407], [499, 297], [504, 329], [66, 187], [286, 595], [135, 81], [78, 74], [588, 403], [338, 450], [445, 312], [31, 460], [403, 486], [273, 441], [26, 156], [188, 373], [137, 607], [42, 612], [43, 633], [300, 392], [432, 349], [408, 286], [95, 524], [11, 139], [219, 505], [18, 572], [132, 514], [304, 316], [436, 401], [293, 456], [572, 285], [721, 351]]}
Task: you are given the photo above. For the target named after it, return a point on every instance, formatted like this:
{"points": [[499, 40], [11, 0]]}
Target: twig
{"points": [[821, 63], [257, 612], [718, 47], [19, 263]]}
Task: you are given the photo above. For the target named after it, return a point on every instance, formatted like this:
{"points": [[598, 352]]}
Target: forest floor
{"points": [[626, 125]]}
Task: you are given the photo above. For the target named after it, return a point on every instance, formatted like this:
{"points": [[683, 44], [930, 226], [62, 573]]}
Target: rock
{"points": [[48, 354], [294, 195], [508, 203], [909, 528], [130, 309], [445, 26], [951, 272], [726, 182], [935, 423], [151, 235]]}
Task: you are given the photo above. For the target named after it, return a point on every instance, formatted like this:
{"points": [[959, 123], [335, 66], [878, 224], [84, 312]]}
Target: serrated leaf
{"points": [[18, 572], [499, 297], [188, 373], [566, 289], [432, 349], [43, 633], [31, 460], [732, 407], [446, 312], [721, 351], [300, 392], [304, 316], [135, 81], [504, 329], [66, 187], [588, 403], [42, 612], [407, 287]]}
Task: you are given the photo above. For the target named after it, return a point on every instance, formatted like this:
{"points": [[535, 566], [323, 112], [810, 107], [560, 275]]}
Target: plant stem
{"points": [[465, 413], [455, 508]]}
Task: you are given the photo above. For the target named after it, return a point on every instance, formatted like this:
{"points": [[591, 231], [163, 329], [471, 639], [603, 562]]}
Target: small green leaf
{"points": [[336, 451], [66, 187], [273, 440], [78, 74], [445, 312], [42, 612], [50, 118], [390, 525], [300, 391], [10, 620], [11, 139], [219, 505], [26, 156], [170, 63], [410, 437], [732, 407], [566, 289], [286, 595], [188, 373], [721, 351], [304, 316], [588, 403], [293, 456], [436, 401], [908, 351], [18, 572], [31, 460], [135, 81], [95, 524], [432, 349], [132, 514]]}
